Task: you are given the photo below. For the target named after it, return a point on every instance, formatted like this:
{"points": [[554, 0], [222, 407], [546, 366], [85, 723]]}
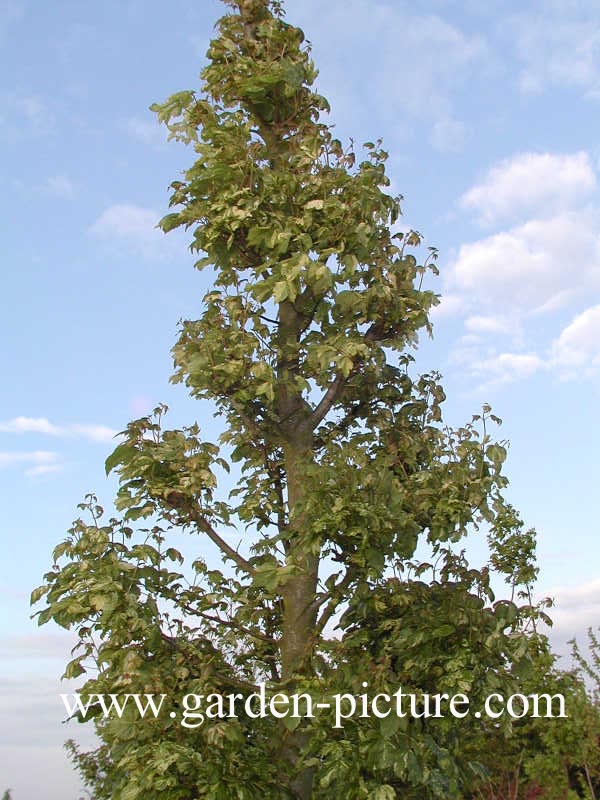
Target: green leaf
{"points": [[38, 593], [384, 792], [280, 291], [73, 669], [389, 725], [291, 723], [121, 454]]}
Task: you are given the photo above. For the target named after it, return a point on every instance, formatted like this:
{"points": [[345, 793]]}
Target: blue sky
{"points": [[490, 115]]}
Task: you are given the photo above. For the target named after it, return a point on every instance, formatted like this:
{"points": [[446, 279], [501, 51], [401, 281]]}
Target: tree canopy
{"points": [[305, 347]]}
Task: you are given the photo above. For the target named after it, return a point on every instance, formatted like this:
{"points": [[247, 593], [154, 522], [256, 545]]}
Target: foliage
{"points": [[589, 667], [304, 348], [550, 759]]}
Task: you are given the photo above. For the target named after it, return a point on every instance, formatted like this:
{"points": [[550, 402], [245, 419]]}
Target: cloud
{"points": [[449, 305], [576, 609], [529, 268], [43, 469], [418, 63], [574, 354], [38, 645], [35, 111], [489, 324], [559, 45], [508, 367], [538, 184], [468, 350], [573, 598], [148, 131], [44, 462], [41, 461], [578, 346], [32, 716], [448, 135], [133, 227], [35, 457], [95, 433], [126, 221], [503, 282], [441, 54], [32, 720], [30, 425], [59, 186]]}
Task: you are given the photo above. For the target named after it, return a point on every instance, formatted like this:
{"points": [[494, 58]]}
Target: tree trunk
{"points": [[298, 592]]}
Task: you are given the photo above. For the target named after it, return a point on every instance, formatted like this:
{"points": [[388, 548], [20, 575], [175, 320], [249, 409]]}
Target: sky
{"points": [[490, 114]]}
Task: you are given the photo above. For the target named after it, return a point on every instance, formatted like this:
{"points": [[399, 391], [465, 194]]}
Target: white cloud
{"points": [[148, 131], [448, 135], [559, 45], [578, 346], [32, 719], [508, 367], [534, 267], [417, 62], [573, 355], [95, 433], [508, 279], [576, 609], [572, 598], [441, 53], [538, 184], [127, 221], [36, 112], [38, 645], [469, 350], [32, 716], [489, 324], [37, 458], [43, 469], [59, 186], [449, 305], [132, 226], [30, 425]]}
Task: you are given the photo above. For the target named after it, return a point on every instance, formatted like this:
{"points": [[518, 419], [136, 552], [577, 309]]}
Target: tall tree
{"points": [[304, 348]]}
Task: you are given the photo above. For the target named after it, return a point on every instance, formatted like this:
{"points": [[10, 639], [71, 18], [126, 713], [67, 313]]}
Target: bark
{"points": [[298, 592]]}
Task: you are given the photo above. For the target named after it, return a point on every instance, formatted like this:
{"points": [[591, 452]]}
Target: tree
{"points": [[555, 759], [304, 349]]}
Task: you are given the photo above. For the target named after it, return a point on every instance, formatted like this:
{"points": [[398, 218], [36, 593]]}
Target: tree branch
{"points": [[374, 334], [328, 400], [179, 502], [183, 646], [223, 546], [230, 623], [334, 600], [344, 424]]}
